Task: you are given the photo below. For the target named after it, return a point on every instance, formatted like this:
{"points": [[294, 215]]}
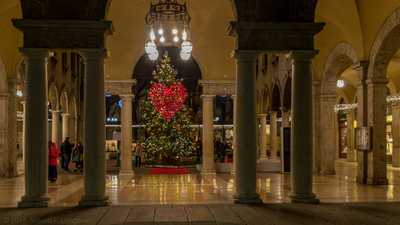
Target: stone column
{"points": [[302, 138], [11, 169], [208, 135], [396, 134], [316, 126], [285, 118], [328, 131], [245, 122], [3, 132], [36, 153], [263, 136], [274, 134], [65, 125], [377, 106], [362, 118], [94, 129], [351, 152], [233, 171], [55, 127], [126, 133], [23, 130]]}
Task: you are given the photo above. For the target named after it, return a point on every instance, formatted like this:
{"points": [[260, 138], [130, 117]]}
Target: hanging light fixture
{"points": [[168, 23]]}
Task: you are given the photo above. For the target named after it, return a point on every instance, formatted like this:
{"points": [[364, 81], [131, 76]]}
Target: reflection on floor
{"points": [[198, 189]]}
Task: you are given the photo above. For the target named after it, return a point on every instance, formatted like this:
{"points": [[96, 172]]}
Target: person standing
{"points": [[54, 153], [77, 157], [66, 151], [138, 153]]}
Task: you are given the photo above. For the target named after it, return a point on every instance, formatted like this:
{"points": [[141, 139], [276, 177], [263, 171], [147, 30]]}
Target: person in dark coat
{"points": [[66, 151]]}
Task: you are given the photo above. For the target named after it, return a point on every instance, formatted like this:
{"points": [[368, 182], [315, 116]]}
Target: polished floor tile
{"points": [[199, 189]]}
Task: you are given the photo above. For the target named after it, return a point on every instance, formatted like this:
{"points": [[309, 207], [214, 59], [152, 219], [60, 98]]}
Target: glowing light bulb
{"points": [[174, 31], [162, 39], [176, 39], [160, 31], [340, 84], [184, 35], [152, 35]]}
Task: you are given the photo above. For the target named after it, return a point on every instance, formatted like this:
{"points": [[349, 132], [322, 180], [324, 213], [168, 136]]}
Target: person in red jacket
{"points": [[54, 153]]}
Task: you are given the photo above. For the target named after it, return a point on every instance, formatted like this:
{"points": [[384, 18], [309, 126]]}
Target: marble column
{"points": [[126, 133], [377, 105], [233, 170], [208, 135], [316, 127], [274, 134], [55, 127], [36, 153], [263, 136], [285, 118], [3, 132], [328, 131], [23, 130], [351, 151], [362, 118], [302, 137], [12, 129], [246, 127], [396, 134], [65, 125], [94, 129]]}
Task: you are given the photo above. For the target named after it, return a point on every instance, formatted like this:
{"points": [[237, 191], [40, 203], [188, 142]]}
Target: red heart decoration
{"points": [[168, 100]]}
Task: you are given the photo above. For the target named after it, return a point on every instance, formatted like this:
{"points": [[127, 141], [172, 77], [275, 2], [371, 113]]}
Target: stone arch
{"points": [[64, 102], [340, 58], [385, 46], [266, 102], [287, 94], [275, 98], [53, 98]]}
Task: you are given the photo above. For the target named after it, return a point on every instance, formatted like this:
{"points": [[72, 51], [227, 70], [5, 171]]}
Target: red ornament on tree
{"points": [[168, 100]]}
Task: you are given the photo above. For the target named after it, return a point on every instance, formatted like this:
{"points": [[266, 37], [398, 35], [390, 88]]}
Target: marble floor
{"points": [[197, 189], [210, 214]]}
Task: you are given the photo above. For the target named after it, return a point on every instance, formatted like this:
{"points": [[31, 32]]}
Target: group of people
{"points": [[69, 153]]}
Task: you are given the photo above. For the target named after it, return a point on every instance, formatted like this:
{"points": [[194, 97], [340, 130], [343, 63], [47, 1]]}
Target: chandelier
{"points": [[168, 25]]}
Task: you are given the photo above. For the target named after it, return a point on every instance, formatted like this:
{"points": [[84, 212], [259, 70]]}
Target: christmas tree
{"points": [[166, 117]]}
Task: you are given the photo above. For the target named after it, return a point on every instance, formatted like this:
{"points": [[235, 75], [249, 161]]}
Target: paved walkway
{"points": [[271, 214]]}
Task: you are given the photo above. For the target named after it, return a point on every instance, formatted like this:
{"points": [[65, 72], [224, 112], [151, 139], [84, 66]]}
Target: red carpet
{"points": [[160, 170]]}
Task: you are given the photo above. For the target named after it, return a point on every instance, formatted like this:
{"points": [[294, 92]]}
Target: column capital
{"points": [[65, 114], [127, 97], [245, 55], [377, 81], [304, 55], [362, 68], [90, 54], [207, 96], [262, 115], [55, 111], [273, 112], [35, 53]]}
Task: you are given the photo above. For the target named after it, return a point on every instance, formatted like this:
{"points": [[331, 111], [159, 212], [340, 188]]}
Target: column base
{"points": [[208, 172], [304, 199], [377, 181], [94, 201], [247, 199], [33, 202], [126, 173]]}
